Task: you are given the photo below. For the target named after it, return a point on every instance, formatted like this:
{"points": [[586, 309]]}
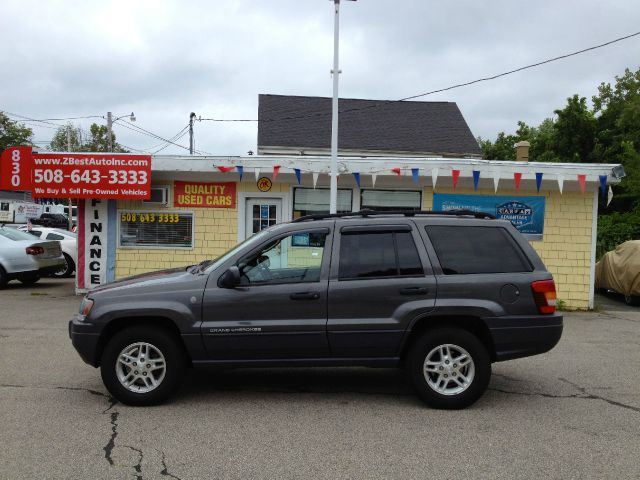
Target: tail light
{"points": [[544, 294], [34, 250]]}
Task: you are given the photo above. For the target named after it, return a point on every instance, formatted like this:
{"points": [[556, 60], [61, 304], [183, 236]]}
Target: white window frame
{"points": [[242, 208]]}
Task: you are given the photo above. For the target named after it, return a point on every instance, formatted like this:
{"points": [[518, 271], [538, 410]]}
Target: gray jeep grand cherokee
{"points": [[442, 294]]}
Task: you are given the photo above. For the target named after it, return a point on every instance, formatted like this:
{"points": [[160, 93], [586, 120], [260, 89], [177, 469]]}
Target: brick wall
{"points": [[566, 245]]}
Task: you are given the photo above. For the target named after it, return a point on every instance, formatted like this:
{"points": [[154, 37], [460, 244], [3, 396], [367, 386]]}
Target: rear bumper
{"points": [[523, 336], [84, 339]]}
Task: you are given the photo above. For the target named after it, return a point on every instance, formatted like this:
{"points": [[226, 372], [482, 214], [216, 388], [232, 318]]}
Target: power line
{"points": [[458, 85], [140, 130]]}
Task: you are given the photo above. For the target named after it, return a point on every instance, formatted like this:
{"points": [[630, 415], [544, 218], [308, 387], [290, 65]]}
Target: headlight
{"points": [[85, 306]]}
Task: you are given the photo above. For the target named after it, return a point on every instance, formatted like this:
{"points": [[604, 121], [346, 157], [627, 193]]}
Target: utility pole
{"points": [[333, 193], [109, 130], [69, 149], [192, 116]]}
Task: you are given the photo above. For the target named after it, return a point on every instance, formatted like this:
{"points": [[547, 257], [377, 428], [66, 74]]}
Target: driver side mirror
{"points": [[230, 278]]}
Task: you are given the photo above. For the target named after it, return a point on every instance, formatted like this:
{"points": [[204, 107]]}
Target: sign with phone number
{"points": [[76, 175], [148, 217]]}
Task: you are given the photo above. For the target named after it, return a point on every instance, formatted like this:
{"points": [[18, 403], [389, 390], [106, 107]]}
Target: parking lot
{"points": [[571, 413]]}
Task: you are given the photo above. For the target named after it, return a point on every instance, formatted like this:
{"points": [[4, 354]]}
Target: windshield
{"points": [[66, 233], [13, 234], [255, 239]]}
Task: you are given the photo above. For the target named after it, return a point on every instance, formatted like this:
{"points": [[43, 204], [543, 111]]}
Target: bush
{"points": [[617, 228]]}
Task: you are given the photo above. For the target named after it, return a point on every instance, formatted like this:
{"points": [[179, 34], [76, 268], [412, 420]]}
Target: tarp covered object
{"points": [[619, 269]]}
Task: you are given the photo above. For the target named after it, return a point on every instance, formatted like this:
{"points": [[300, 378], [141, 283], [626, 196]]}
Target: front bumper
{"points": [[523, 336], [84, 338]]}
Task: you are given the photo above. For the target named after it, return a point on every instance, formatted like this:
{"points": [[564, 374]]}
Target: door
{"points": [[262, 213], [381, 281], [279, 309]]}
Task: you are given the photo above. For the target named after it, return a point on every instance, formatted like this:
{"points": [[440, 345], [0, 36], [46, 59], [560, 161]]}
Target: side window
{"points": [[464, 250], [36, 233], [54, 236], [296, 258], [378, 254]]}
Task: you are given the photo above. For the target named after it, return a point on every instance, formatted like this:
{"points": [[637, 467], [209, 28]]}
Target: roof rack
{"points": [[406, 213]]}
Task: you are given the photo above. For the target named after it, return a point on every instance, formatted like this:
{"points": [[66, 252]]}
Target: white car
{"points": [[26, 258], [68, 240]]}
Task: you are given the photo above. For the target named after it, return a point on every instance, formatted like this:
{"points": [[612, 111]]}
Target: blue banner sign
{"points": [[525, 213]]}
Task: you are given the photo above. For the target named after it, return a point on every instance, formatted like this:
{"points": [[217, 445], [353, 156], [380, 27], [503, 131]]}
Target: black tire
{"points": [[68, 269], [29, 278], [631, 300], [160, 339], [3, 278], [429, 342]]}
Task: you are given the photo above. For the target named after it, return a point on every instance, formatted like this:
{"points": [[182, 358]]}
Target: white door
{"points": [[262, 213]]}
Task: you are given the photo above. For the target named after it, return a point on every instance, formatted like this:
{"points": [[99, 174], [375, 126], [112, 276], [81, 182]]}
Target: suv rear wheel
{"points": [[142, 365], [449, 368]]}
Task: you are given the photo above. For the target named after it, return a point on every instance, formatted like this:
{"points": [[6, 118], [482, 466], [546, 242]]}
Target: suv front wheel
{"points": [[449, 368], [142, 365]]}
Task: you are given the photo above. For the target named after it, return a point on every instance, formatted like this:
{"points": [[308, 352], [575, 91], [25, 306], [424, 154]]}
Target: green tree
{"points": [[13, 134], [574, 131], [95, 141]]}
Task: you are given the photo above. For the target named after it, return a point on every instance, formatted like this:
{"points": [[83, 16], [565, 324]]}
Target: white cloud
{"points": [[163, 60]]}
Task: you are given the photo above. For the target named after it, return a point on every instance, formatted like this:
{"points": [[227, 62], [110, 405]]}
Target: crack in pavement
{"points": [[137, 467], [583, 394], [108, 448], [586, 394], [164, 470]]}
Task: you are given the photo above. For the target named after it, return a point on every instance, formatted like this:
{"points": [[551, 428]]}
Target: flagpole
{"points": [[333, 196]]}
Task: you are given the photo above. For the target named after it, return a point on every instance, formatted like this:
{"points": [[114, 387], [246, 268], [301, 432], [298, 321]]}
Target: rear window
{"points": [[13, 234], [464, 250]]}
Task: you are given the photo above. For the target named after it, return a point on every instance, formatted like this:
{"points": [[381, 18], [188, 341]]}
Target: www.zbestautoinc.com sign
{"points": [[525, 213], [76, 175]]}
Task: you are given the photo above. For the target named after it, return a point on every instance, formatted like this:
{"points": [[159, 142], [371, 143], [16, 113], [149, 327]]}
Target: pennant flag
{"points": [[455, 174], [397, 171], [516, 180], [560, 183], [257, 173], [415, 173], [315, 178], [225, 169], [297, 172], [276, 169], [240, 170], [356, 175], [603, 184], [476, 179], [582, 178], [434, 177], [373, 180], [538, 181], [496, 180], [610, 196]]}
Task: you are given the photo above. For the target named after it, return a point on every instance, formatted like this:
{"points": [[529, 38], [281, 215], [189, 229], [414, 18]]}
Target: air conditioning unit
{"points": [[159, 196]]}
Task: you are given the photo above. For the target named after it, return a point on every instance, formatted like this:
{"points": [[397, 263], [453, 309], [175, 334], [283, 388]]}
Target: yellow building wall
{"points": [[566, 245], [215, 232]]}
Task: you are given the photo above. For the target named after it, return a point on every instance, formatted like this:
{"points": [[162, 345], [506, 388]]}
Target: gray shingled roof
{"points": [[435, 127]]}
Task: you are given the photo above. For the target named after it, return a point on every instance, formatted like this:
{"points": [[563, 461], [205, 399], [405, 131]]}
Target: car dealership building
{"points": [[202, 206]]}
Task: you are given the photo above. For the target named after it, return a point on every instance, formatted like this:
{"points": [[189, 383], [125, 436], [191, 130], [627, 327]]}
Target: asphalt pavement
{"points": [[571, 413]]}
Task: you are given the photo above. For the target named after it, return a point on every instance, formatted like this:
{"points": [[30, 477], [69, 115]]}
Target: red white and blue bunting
{"points": [[476, 173]]}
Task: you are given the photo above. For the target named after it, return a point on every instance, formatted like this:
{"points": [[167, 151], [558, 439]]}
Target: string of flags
{"points": [[435, 173]]}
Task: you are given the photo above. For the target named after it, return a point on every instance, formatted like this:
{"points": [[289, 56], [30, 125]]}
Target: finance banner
{"points": [[204, 195]]}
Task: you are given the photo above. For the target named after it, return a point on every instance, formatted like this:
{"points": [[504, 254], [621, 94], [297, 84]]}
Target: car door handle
{"points": [[304, 296], [413, 291]]}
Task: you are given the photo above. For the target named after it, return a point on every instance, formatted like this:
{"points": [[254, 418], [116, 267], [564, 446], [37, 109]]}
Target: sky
{"points": [[163, 59]]}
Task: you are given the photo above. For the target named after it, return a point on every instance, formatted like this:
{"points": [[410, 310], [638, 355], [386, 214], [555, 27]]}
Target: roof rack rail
{"points": [[406, 213]]}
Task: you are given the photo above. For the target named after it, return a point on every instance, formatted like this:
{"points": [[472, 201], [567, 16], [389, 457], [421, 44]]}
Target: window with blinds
{"points": [[156, 229], [390, 200]]}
